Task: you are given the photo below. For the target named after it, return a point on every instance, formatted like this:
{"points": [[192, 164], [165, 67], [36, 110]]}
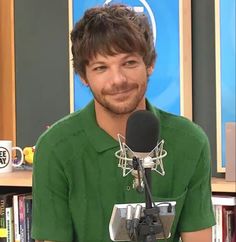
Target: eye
{"points": [[131, 63], [99, 68]]}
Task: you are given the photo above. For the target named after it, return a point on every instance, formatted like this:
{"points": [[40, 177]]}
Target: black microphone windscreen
{"points": [[142, 131]]}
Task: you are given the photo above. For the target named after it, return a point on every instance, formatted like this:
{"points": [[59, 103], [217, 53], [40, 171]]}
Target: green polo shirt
{"points": [[76, 180]]}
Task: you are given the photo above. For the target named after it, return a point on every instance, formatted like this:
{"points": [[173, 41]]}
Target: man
{"points": [[76, 181]]}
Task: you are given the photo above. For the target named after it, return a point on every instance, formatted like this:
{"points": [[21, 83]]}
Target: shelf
{"points": [[24, 179], [220, 185], [16, 178]]}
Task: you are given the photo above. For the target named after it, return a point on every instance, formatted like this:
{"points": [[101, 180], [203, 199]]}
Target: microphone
{"points": [[141, 144], [142, 136], [142, 131], [140, 153]]}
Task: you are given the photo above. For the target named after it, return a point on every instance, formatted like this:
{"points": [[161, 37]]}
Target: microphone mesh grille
{"points": [[142, 131]]}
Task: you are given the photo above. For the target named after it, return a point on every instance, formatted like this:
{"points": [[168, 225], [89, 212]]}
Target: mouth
{"points": [[120, 92], [122, 95]]}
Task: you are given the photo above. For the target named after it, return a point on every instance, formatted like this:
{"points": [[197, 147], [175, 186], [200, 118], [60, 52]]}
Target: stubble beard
{"points": [[124, 107]]}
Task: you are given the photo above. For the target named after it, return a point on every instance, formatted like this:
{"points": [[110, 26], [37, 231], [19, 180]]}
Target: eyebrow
{"points": [[96, 63], [92, 63]]}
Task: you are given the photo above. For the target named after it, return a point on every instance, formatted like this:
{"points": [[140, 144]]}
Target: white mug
{"points": [[6, 162]]}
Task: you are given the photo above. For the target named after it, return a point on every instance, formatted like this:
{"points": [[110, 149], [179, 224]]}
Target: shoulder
{"points": [[181, 129], [62, 129], [61, 140], [67, 133]]}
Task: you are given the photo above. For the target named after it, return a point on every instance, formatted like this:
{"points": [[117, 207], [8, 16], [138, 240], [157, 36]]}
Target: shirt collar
{"points": [[101, 140]]}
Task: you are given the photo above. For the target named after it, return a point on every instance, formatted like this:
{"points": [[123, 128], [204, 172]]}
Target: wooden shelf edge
{"points": [[220, 185], [24, 179], [16, 178]]}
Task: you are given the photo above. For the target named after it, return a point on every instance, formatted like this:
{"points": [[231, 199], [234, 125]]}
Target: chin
{"points": [[122, 108]]}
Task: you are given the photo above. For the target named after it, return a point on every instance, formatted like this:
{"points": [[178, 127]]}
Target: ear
{"points": [[150, 69], [84, 81]]}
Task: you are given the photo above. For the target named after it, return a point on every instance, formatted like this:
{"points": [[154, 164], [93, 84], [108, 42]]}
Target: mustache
{"points": [[115, 89]]}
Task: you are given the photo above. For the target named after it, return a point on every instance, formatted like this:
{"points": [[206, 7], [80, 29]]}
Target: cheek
{"points": [[95, 85], [142, 76], [99, 81]]}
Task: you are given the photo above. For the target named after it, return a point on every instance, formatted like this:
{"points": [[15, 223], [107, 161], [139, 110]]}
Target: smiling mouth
{"points": [[121, 91], [121, 95]]}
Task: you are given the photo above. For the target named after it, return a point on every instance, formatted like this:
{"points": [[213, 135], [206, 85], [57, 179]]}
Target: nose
{"points": [[118, 76]]}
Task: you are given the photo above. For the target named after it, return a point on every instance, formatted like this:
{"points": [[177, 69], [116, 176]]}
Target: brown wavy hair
{"points": [[109, 30]]}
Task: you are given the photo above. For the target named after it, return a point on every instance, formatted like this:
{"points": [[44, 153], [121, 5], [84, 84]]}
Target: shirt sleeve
{"points": [[197, 211], [51, 219]]}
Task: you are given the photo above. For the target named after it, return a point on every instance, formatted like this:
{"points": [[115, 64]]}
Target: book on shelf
{"points": [[28, 217], [9, 224], [6, 227], [25, 217], [225, 214], [22, 217], [224, 200], [15, 217], [21, 214]]}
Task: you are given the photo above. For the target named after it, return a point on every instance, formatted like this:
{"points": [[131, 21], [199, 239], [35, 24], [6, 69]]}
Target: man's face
{"points": [[118, 82]]}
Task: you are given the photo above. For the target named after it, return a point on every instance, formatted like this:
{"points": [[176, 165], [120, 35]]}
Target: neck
{"points": [[112, 123]]}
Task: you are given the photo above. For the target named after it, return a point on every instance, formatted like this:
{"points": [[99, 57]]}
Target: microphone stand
{"points": [[148, 201], [149, 225]]}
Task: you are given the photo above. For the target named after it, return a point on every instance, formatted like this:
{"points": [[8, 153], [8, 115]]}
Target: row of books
{"points": [[225, 214], [15, 217]]}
